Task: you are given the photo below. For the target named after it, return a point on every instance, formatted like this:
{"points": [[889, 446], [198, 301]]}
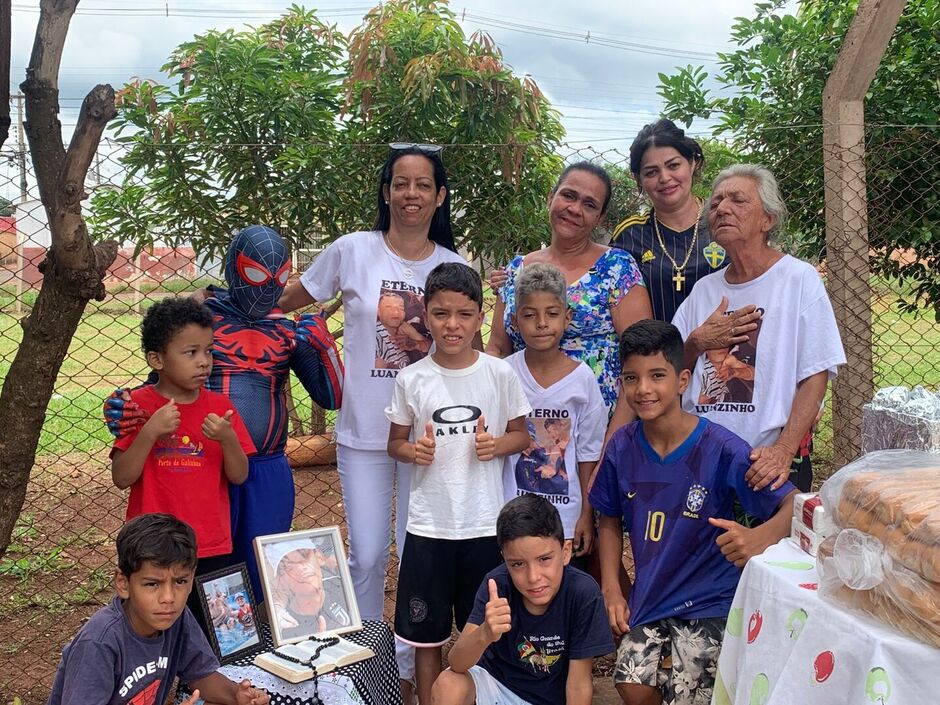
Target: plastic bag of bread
{"points": [[893, 496], [855, 571]]}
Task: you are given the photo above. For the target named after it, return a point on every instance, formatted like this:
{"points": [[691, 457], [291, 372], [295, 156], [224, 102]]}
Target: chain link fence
{"points": [[58, 568]]}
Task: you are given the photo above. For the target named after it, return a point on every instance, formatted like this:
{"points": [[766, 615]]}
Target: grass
{"points": [[104, 354]]}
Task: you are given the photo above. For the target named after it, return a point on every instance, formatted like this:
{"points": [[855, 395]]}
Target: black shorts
{"points": [[437, 582]]}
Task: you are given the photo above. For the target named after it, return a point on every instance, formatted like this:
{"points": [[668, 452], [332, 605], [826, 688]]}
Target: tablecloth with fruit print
{"points": [[783, 645]]}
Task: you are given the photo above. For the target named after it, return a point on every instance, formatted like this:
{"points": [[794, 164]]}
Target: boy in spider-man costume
{"points": [[255, 347]]}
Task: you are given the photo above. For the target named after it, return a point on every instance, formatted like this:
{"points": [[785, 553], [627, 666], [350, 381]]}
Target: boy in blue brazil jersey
{"points": [[669, 480]]}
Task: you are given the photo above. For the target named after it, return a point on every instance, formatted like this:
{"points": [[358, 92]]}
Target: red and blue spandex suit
{"points": [[255, 347]]}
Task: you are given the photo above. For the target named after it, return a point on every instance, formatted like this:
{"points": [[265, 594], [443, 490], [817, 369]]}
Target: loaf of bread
{"points": [[902, 600], [909, 549], [895, 497], [901, 497]]}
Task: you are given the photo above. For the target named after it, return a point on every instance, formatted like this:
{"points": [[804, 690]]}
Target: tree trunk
{"points": [[47, 333], [6, 12], [73, 269]]}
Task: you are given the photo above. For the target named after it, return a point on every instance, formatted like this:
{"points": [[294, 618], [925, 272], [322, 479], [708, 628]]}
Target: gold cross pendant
{"points": [[678, 279]]}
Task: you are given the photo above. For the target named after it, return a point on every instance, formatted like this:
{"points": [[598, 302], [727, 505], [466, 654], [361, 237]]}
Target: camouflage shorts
{"points": [[678, 656]]}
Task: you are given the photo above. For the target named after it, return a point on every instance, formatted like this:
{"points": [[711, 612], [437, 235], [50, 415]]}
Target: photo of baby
{"points": [[401, 337]]}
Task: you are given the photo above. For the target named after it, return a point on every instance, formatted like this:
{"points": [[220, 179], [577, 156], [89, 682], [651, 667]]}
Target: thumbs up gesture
{"points": [[164, 420], [424, 446], [497, 619], [485, 443], [218, 428]]}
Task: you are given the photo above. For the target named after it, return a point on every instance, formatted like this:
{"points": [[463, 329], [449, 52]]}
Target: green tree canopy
{"points": [[771, 107], [281, 125], [211, 153]]}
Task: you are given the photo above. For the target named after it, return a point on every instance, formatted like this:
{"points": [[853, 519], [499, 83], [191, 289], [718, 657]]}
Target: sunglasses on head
{"points": [[426, 148]]}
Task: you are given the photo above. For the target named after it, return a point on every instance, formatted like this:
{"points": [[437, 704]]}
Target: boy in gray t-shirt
{"points": [[132, 650]]}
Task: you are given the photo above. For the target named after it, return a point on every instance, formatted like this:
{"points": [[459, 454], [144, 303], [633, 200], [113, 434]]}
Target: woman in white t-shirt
{"points": [[411, 235], [761, 337]]}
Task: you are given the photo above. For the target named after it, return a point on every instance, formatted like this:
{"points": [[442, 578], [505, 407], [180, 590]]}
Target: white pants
{"points": [[368, 478]]}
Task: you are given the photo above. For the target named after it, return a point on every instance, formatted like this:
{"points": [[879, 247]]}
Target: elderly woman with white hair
{"points": [[761, 337]]}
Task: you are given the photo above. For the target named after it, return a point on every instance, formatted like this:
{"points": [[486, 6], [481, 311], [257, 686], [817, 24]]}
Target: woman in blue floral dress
{"points": [[605, 287]]}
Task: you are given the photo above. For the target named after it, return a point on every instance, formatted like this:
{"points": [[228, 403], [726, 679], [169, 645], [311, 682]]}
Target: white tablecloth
{"points": [[785, 646]]}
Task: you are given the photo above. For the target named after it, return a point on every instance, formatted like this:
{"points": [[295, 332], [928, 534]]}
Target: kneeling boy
{"points": [[133, 649], [669, 479], [535, 644]]}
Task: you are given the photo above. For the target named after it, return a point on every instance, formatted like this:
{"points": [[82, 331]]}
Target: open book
{"points": [[331, 658]]}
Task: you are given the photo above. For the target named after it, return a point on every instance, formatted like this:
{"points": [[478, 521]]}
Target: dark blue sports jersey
{"points": [[665, 504], [637, 236]]}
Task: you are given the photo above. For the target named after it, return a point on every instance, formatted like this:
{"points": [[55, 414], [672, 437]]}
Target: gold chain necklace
{"points": [[679, 277], [408, 265]]}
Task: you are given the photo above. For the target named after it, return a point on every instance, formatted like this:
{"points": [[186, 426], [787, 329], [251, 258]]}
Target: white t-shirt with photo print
{"points": [[457, 496], [796, 338], [567, 422], [362, 268]]}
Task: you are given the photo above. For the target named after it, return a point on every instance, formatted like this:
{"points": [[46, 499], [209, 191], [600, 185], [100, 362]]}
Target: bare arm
{"points": [[622, 415], [610, 555], [474, 639], [399, 447], [499, 344], [216, 688], [579, 688], [126, 466], [468, 648], [515, 440], [773, 463], [633, 307], [234, 461], [584, 528], [739, 544], [295, 296]]}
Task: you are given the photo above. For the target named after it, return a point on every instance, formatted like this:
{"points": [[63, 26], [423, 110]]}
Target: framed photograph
{"points": [[227, 603], [306, 583]]}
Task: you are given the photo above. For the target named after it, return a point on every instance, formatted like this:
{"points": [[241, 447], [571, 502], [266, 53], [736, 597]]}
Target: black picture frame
{"points": [[232, 636]]}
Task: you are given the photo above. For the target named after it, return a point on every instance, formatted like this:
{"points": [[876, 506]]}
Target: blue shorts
{"points": [[263, 504]]}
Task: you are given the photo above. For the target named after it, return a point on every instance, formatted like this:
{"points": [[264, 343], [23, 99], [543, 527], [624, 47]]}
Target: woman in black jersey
{"points": [[670, 242]]}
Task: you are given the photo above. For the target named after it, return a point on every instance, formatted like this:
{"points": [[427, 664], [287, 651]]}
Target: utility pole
{"points": [[21, 147]]}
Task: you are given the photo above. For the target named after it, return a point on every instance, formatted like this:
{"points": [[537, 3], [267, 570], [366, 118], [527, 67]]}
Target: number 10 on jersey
{"points": [[655, 521]]}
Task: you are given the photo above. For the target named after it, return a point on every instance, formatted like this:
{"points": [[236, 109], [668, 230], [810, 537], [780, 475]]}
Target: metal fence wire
{"points": [[59, 566]]}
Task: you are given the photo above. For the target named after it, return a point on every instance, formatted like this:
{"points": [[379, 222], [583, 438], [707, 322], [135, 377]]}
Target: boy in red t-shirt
{"points": [[181, 460]]}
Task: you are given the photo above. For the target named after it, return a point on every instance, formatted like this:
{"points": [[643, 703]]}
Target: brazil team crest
{"points": [[714, 254], [695, 501]]}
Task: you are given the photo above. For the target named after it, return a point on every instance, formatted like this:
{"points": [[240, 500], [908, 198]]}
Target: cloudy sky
{"points": [[597, 60]]}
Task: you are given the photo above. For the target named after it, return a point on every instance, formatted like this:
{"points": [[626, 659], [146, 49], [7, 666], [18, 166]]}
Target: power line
{"points": [[587, 37], [167, 11]]}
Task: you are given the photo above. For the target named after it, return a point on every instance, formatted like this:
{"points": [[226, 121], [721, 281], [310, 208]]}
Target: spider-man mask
{"points": [[257, 268]]}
